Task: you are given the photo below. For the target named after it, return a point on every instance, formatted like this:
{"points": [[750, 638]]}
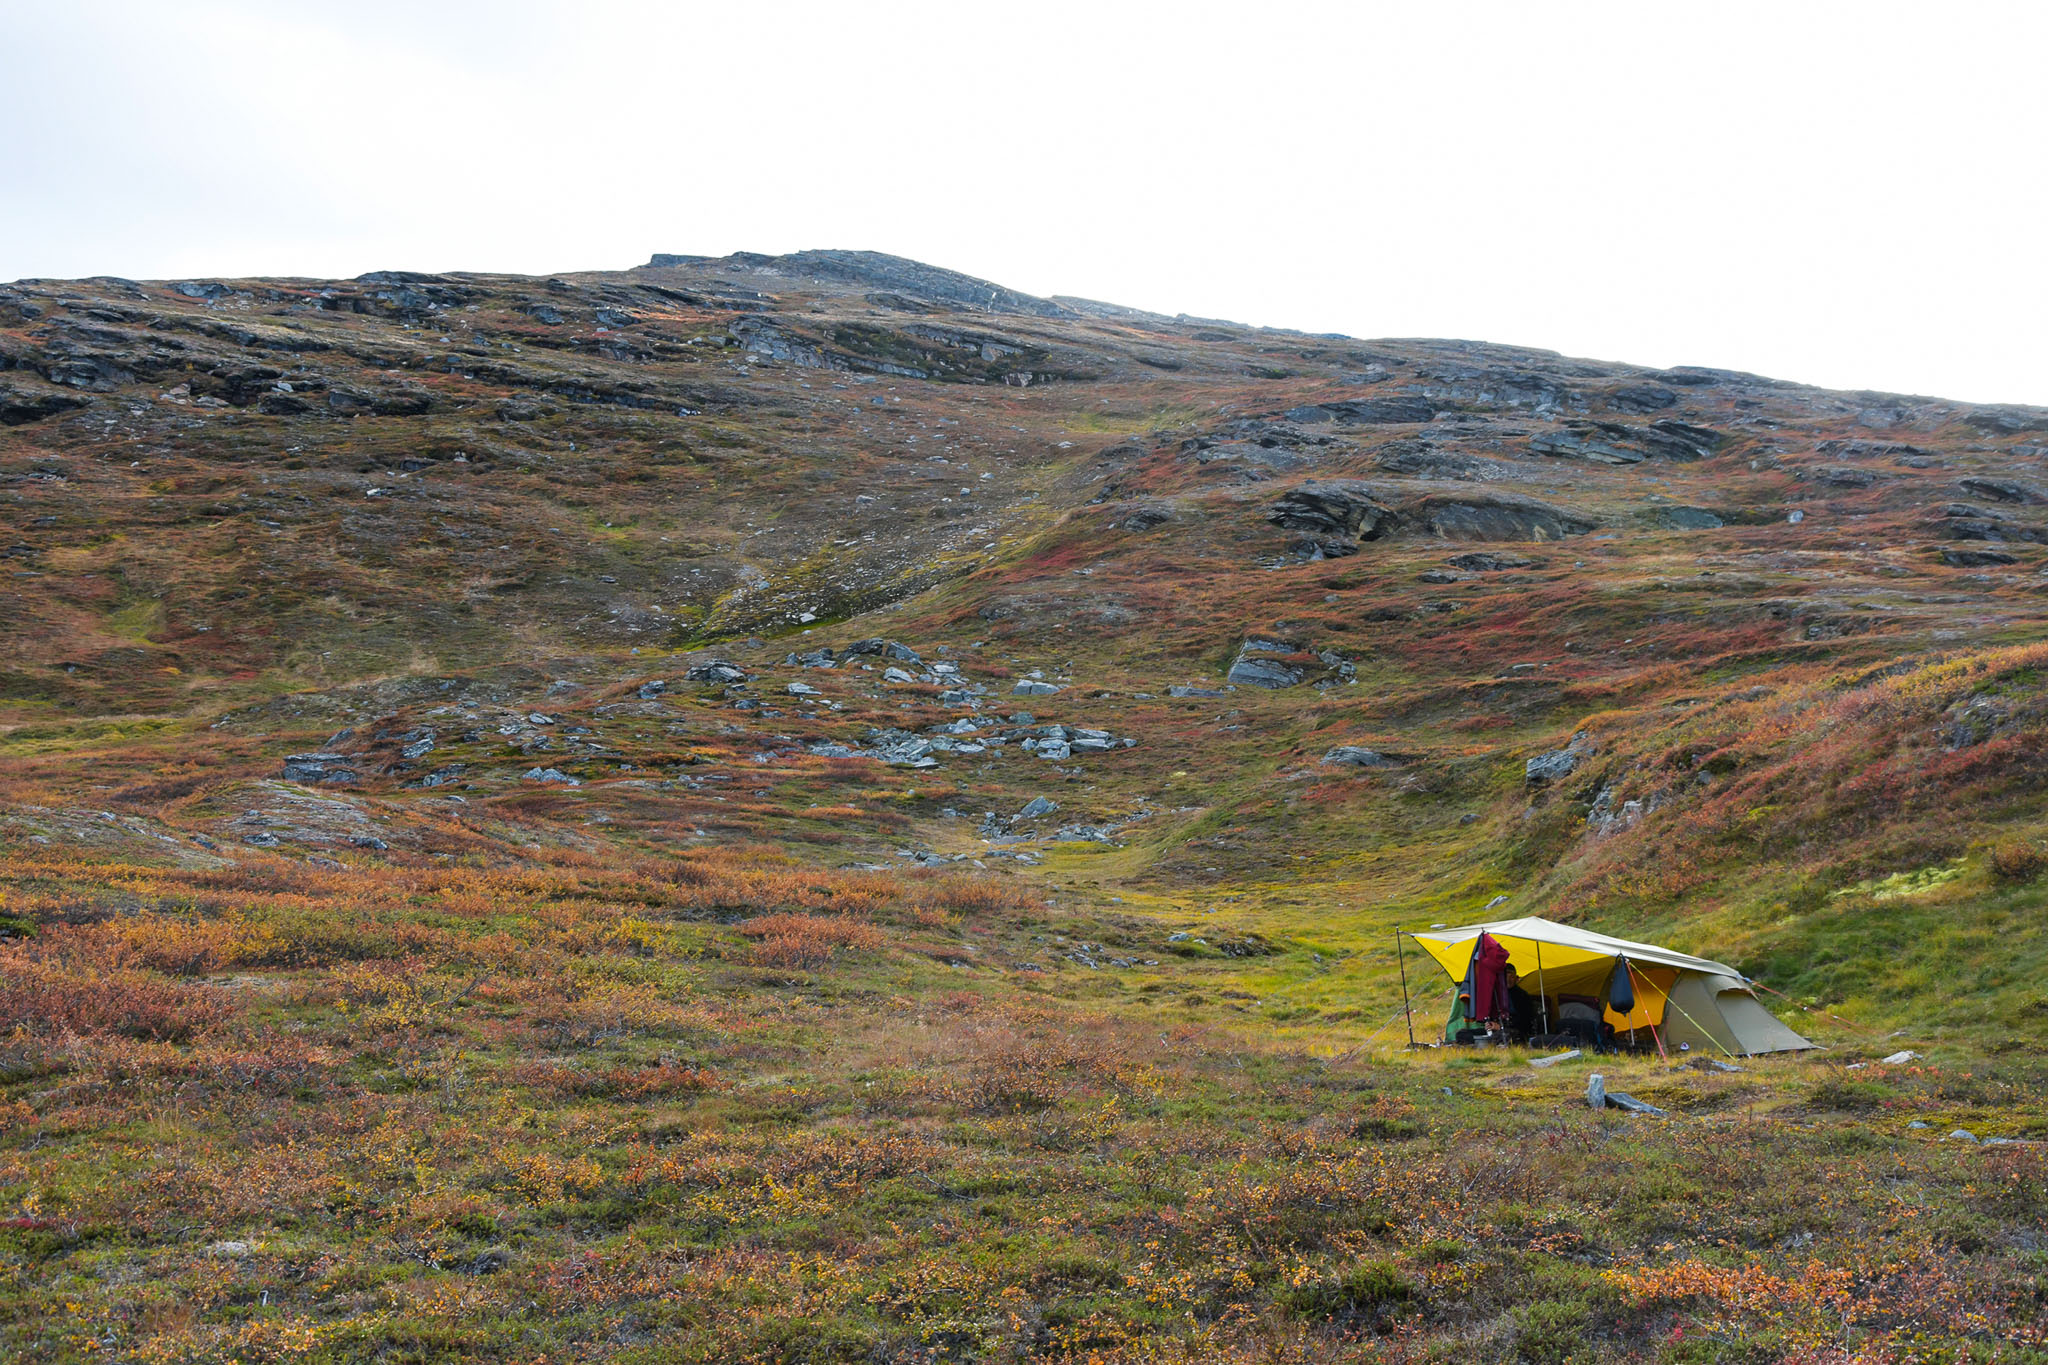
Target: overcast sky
{"points": [[1851, 195]]}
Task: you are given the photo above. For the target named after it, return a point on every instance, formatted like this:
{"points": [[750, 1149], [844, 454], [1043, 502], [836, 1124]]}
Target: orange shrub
{"points": [[44, 998], [2018, 860], [786, 940]]}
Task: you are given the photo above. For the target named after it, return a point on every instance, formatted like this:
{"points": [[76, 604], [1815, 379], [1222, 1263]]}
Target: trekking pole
{"points": [[1402, 958], [1542, 1000]]}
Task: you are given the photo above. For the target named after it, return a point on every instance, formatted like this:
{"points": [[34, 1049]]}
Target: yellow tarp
{"points": [[1552, 968]]}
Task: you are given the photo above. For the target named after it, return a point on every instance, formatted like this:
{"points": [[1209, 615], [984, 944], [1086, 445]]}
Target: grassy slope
{"points": [[545, 1075]]}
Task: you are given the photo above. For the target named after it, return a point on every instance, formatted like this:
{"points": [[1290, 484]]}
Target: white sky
{"points": [[1853, 195]]}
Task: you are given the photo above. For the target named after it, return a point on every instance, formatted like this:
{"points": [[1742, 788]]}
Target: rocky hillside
{"points": [[878, 563]]}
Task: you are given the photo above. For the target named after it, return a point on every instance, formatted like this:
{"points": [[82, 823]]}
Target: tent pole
{"points": [[1655, 1036], [1542, 1000], [1401, 957]]}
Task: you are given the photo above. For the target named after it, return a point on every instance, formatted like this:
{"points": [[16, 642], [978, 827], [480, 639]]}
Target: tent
{"points": [[1678, 998]]}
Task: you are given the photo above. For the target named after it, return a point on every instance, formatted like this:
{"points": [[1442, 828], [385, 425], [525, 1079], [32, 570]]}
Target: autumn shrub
{"points": [[786, 940], [1366, 1290], [46, 998], [2018, 860], [178, 947]]}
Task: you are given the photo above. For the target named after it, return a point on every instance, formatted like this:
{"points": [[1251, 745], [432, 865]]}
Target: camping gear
{"points": [[1673, 998], [1486, 980]]}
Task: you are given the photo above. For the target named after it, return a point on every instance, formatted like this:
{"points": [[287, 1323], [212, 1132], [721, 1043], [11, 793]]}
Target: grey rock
{"points": [[2002, 490], [715, 671], [1976, 559], [1494, 516], [1368, 411], [652, 689], [896, 675], [887, 649], [1489, 561], [1419, 459], [329, 768], [1558, 763], [1961, 1135], [797, 689], [1596, 1091], [1183, 690], [1032, 687], [1340, 507], [1618, 1100], [1689, 518], [1267, 673], [550, 775], [1356, 757], [1037, 806], [1643, 398]]}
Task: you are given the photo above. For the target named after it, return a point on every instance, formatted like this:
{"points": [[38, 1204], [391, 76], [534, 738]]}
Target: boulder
{"points": [[1675, 440], [1263, 663], [1183, 690], [1032, 687], [2002, 490], [1367, 411], [715, 671], [19, 408], [1417, 459], [1642, 398], [1494, 516], [887, 649], [550, 776], [652, 689], [1344, 507], [1489, 561], [1558, 764], [1689, 518], [1267, 673], [1037, 806], [1356, 757], [1976, 559], [330, 768]]}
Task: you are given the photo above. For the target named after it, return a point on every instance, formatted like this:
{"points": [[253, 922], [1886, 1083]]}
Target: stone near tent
{"points": [[1900, 1058], [1596, 1091], [1618, 1100], [1555, 1059]]}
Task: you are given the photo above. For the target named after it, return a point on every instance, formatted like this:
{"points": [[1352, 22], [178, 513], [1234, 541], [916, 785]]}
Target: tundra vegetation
{"points": [[810, 809]]}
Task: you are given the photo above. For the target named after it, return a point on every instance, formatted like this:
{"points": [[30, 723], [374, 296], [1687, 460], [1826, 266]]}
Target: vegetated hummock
{"points": [[814, 808]]}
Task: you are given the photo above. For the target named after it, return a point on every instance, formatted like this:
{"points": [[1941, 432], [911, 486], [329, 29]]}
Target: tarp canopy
{"points": [[1708, 1003]]}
